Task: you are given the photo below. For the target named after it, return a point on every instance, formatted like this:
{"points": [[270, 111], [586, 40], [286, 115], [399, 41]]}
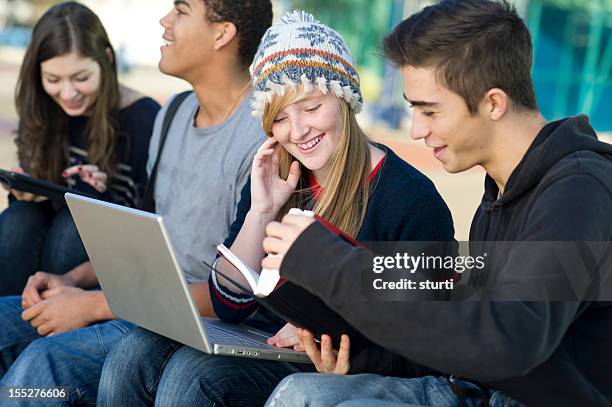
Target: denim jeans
{"points": [[146, 369], [364, 390], [33, 237], [73, 359]]}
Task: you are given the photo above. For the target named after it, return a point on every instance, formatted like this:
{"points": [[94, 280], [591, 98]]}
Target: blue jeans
{"points": [[33, 237], [308, 389], [73, 359], [146, 369]]}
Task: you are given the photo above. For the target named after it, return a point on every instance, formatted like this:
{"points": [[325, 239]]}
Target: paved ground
{"points": [[462, 192]]}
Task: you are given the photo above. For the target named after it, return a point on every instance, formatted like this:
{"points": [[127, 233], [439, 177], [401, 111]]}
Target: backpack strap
{"points": [[148, 200]]}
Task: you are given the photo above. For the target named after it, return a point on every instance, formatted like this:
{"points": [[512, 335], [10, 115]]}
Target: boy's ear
{"points": [[226, 33], [496, 103]]}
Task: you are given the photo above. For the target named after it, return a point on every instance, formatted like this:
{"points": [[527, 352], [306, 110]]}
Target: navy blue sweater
{"points": [[404, 205], [134, 132]]}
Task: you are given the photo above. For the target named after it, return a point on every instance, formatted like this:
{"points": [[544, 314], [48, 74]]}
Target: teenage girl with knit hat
{"points": [[318, 158]]}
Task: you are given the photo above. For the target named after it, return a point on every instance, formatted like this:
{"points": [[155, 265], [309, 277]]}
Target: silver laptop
{"points": [[143, 283]]}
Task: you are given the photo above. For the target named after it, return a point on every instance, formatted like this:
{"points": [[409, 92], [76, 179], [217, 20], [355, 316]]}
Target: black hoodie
{"points": [[540, 353]]}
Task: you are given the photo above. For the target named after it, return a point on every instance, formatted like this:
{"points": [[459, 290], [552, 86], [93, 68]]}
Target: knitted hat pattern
{"points": [[302, 51]]}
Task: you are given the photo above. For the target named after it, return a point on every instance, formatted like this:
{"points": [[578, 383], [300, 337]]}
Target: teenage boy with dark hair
{"points": [[204, 164], [466, 69]]}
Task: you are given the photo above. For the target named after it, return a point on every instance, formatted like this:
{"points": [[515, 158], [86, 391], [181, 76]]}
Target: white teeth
{"points": [[310, 144], [166, 43]]}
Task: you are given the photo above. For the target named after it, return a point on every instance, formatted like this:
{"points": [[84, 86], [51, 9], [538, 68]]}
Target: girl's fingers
{"points": [[100, 176], [97, 179], [267, 144], [261, 156], [90, 174], [275, 159], [265, 153], [39, 198], [27, 196], [99, 186], [95, 176], [78, 169], [294, 174], [276, 156], [287, 342]]}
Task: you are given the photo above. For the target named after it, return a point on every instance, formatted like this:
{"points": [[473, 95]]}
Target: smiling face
{"points": [[188, 38], [310, 129], [441, 118], [72, 81]]}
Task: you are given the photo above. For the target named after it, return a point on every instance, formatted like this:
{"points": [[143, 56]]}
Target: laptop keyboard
{"points": [[223, 336]]}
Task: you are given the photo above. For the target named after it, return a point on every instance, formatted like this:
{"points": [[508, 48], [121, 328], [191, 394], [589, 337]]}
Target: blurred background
{"points": [[572, 68]]}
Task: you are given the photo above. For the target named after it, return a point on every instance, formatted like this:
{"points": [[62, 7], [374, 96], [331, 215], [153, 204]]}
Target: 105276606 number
{"points": [[34, 393]]}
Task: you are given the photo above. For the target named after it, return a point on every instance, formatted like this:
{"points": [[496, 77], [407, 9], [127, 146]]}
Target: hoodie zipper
{"points": [[488, 219], [487, 223]]}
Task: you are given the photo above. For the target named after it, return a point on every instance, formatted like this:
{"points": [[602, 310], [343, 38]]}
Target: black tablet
{"points": [[25, 183]]}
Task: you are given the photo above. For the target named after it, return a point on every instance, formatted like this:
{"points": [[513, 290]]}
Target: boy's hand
{"points": [[40, 282], [62, 309], [326, 360], [280, 238]]}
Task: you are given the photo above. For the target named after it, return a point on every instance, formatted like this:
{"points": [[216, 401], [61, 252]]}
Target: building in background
{"points": [[573, 58], [572, 45]]}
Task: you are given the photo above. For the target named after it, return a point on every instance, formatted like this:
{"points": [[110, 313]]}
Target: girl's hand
{"points": [[24, 196], [27, 196], [286, 337], [269, 192], [90, 174]]}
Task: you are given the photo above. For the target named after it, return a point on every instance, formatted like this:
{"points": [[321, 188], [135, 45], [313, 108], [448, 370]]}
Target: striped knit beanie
{"points": [[302, 51]]}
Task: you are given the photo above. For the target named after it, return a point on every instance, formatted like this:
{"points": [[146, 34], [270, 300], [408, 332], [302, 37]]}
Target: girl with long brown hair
{"points": [[78, 127]]}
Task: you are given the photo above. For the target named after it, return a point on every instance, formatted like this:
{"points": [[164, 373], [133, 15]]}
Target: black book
{"points": [[293, 303]]}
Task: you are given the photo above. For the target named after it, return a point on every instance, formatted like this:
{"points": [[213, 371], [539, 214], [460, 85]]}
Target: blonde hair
{"points": [[344, 200]]}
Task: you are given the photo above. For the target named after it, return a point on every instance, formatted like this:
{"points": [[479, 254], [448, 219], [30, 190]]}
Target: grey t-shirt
{"points": [[199, 179]]}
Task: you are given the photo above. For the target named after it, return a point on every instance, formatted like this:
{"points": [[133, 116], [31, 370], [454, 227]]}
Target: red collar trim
{"points": [[316, 188], [375, 170]]}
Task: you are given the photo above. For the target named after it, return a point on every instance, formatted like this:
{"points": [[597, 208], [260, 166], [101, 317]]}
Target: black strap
{"points": [[148, 200], [464, 393]]}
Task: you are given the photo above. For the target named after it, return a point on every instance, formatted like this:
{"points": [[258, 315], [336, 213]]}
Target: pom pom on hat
{"points": [[300, 51], [298, 16]]}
